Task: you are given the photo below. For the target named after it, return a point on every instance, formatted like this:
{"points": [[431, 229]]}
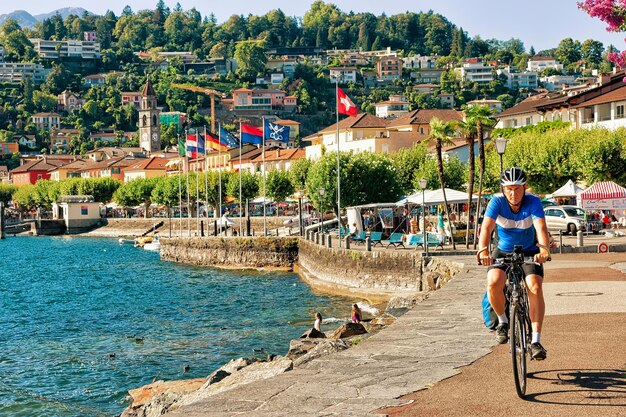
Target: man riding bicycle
{"points": [[519, 220]]}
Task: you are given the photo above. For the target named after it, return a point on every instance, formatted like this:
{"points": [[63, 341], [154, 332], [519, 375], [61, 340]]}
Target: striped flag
{"points": [[251, 134], [213, 142]]}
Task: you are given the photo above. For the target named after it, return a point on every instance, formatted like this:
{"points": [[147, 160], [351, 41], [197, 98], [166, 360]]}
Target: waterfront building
{"points": [[147, 168], [79, 212], [34, 170], [106, 152], [417, 123], [279, 159], [71, 170]]}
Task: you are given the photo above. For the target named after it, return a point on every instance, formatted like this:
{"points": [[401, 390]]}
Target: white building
{"points": [[540, 63], [397, 105], [557, 82], [418, 61], [344, 74], [50, 49], [516, 79], [475, 71], [16, 72]]}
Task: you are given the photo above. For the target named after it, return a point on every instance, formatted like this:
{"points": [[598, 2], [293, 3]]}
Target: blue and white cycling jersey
{"points": [[515, 228]]}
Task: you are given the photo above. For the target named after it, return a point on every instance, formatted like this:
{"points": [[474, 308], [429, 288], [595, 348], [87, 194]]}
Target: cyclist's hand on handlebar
{"points": [[484, 258], [543, 256]]}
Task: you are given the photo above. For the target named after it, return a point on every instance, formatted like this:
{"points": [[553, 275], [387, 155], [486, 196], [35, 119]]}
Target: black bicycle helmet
{"points": [[513, 176]]}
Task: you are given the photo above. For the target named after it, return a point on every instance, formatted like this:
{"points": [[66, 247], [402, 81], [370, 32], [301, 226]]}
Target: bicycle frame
{"points": [[519, 314]]}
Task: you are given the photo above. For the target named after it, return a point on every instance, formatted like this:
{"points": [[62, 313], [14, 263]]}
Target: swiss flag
{"points": [[345, 105]]}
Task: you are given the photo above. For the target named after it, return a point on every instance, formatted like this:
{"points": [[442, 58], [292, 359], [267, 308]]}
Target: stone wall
{"points": [[232, 252], [377, 275]]}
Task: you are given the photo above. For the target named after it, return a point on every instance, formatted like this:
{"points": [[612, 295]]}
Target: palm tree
{"points": [[468, 126], [441, 132], [483, 116]]}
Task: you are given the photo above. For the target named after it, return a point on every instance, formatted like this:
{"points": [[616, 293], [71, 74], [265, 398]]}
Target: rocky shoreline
{"points": [[159, 397]]}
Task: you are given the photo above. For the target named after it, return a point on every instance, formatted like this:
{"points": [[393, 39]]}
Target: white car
{"points": [[569, 219]]}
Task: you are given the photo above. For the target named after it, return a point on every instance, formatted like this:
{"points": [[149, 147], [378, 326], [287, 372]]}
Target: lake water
{"points": [[83, 320]]}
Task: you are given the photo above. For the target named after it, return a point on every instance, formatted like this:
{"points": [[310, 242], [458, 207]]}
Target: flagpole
{"points": [[197, 184], [338, 165], [180, 192], [240, 202], [219, 171], [206, 181], [187, 177], [264, 198]]}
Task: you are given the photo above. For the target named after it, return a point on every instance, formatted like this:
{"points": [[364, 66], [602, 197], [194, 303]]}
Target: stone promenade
{"points": [[430, 343]]}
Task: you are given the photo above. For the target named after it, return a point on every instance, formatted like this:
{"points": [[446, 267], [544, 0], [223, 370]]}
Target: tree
{"points": [[251, 59], [24, 197], [135, 192], [45, 193], [279, 185], [441, 133], [568, 51], [299, 171], [249, 186], [6, 191], [592, 52], [483, 117], [407, 162]]}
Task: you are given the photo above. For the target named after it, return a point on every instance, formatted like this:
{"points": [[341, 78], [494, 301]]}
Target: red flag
{"points": [[345, 105]]}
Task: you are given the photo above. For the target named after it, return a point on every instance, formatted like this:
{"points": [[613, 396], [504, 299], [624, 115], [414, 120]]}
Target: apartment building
{"points": [[46, 121], [516, 79], [475, 71], [16, 72], [389, 68], [343, 74], [51, 49], [540, 63]]}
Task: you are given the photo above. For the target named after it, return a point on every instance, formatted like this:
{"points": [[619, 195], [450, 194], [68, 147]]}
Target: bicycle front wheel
{"points": [[518, 349]]}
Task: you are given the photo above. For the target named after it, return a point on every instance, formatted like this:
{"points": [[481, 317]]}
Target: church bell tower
{"points": [[149, 124]]}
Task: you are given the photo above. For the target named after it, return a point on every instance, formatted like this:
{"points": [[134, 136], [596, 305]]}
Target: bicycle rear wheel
{"points": [[518, 348]]}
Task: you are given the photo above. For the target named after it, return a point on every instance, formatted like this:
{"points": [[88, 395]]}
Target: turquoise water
{"points": [[82, 321]]}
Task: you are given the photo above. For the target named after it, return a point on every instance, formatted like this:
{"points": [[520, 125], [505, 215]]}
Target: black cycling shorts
{"points": [[529, 269]]}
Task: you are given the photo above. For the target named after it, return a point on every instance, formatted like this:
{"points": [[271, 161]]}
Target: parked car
{"points": [[569, 219]]}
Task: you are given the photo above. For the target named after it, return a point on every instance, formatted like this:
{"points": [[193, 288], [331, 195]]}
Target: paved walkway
{"points": [[435, 340]]}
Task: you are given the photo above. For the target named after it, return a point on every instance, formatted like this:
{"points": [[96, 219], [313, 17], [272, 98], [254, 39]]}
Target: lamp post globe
{"points": [[501, 143]]}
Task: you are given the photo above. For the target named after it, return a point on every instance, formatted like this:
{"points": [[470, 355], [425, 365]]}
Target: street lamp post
{"points": [[321, 190], [299, 194], [423, 182], [501, 143]]}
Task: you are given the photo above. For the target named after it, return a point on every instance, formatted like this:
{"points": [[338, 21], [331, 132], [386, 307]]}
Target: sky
{"points": [[538, 23]]}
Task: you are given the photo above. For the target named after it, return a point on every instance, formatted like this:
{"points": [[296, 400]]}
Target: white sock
{"points": [[536, 337], [503, 319]]}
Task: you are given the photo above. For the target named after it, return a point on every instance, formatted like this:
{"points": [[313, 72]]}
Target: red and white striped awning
{"points": [[603, 190]]}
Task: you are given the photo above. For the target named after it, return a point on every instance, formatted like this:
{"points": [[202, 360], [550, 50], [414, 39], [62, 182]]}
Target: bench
{"points": [[433, 240], [395, 240], [376, 238]]}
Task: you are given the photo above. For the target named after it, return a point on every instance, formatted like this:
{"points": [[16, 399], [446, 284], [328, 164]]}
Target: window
{"points": [[619, 111]]}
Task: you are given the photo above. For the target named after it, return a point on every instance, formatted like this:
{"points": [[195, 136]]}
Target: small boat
{"points": [[155, 245], [123, 241]]}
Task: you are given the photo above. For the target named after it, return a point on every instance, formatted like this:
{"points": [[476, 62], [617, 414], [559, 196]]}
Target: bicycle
{"points": [[519, 314]]}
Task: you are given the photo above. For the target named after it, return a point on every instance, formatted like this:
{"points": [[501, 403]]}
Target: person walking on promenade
{"points": [[356, 314], [519, 220], [318, 322]]}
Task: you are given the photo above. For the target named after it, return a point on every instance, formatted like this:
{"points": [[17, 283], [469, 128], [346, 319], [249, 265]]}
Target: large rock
{"points": [[251, 373], [156, 398], [324, 347], [299, 347], [378, 323], [312, 333], [347, 330], [231, 367]]}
